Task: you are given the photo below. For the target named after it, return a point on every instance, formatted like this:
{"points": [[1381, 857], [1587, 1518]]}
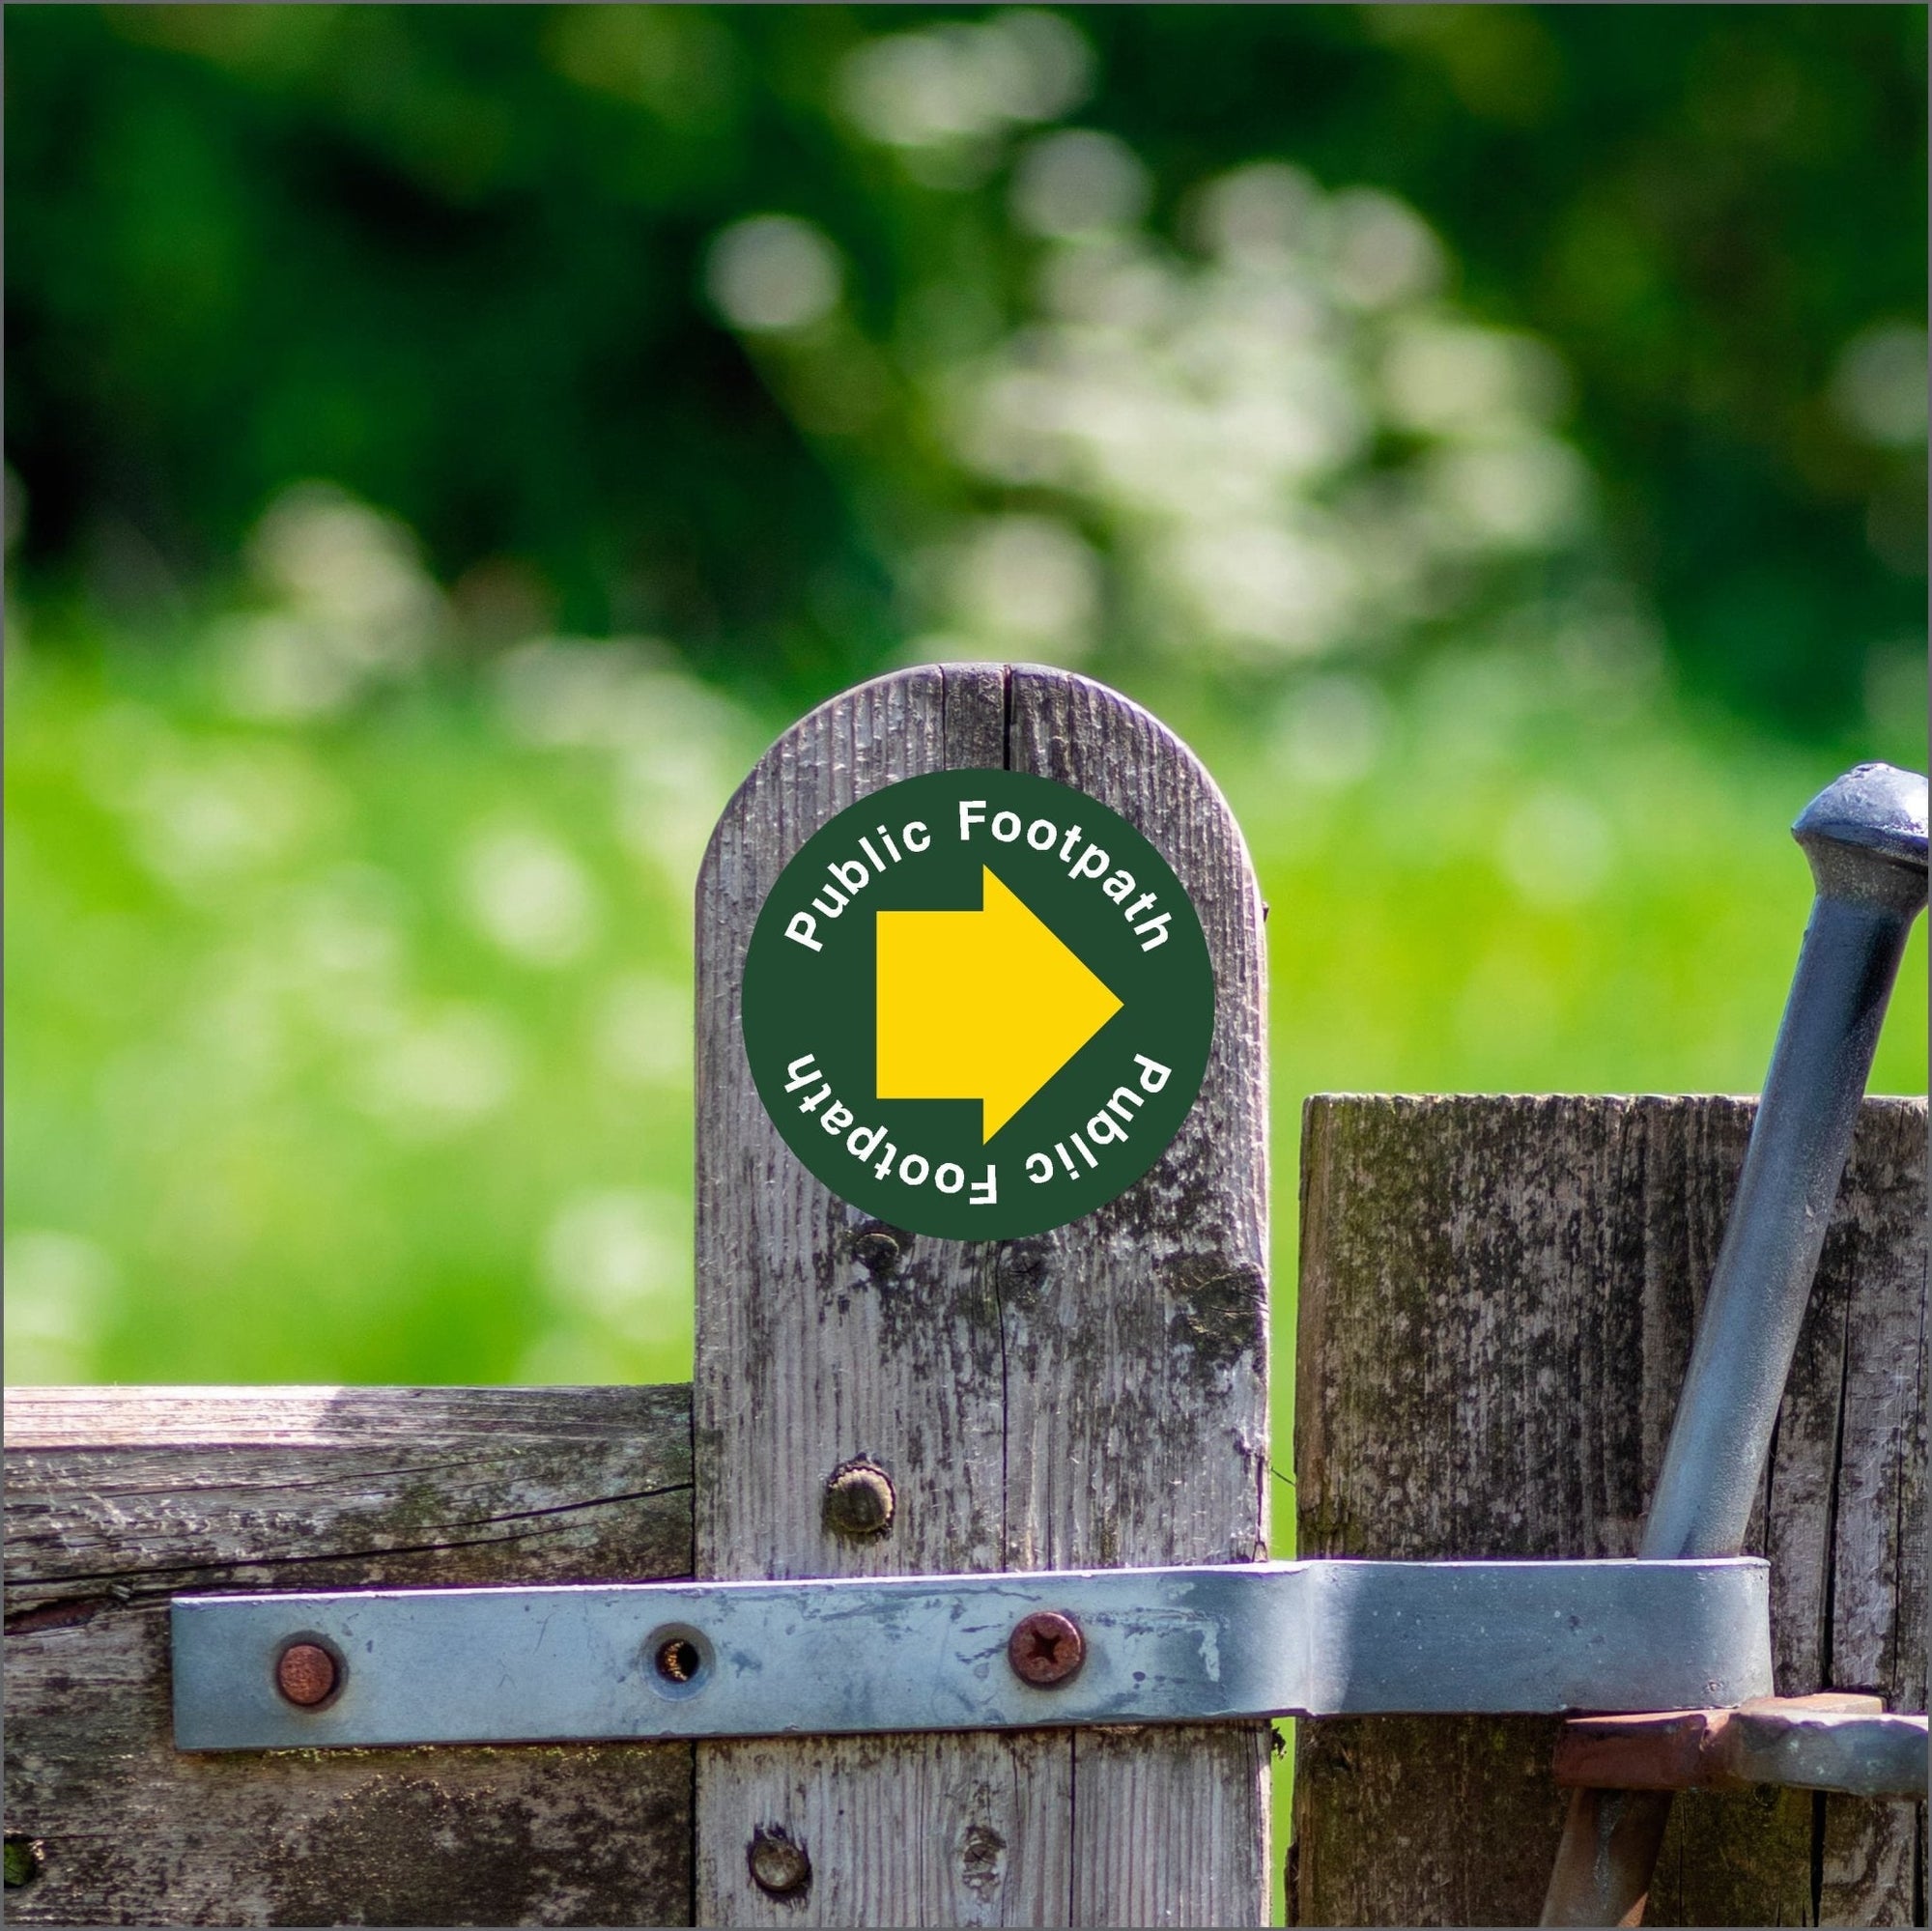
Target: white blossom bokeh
{"points": [[349, 970]]}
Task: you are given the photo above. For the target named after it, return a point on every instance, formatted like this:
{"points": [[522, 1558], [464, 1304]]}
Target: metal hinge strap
{"points": [[590, 1662]]}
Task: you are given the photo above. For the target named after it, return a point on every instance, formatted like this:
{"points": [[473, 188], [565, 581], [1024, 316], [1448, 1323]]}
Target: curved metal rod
{"points": [[1865, 838]]}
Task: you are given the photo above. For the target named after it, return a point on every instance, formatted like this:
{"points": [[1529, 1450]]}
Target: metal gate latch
{"points": [[591, 1662]]}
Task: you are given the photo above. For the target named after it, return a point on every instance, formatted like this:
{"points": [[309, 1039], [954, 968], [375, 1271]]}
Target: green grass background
{"points": [[285, 1104], [290, 1096]]}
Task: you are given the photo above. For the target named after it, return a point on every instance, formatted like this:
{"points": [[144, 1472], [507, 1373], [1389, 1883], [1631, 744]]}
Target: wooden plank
{"points": [[1142, 1338], [118, 1498], [1870, 1859], [806, 1358], [1095, 1395], [1497, 1297]]}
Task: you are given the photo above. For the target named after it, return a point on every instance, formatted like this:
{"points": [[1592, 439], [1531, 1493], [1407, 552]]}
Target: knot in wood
{"points": [[779, 1867], [305, 1674], [1047, 1648], [859, 1499]]}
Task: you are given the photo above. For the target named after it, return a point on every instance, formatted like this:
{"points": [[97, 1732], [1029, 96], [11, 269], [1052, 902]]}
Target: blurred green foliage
{"points": [[445, 444], [1426, 410], [362, 1052], [1429, 411], [452, 259]]}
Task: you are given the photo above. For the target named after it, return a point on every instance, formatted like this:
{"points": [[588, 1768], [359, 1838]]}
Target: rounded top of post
{"points": [[1866, 833]]}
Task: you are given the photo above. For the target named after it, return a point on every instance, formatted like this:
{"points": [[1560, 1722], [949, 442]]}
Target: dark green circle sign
{"points": [[977, 1005]]}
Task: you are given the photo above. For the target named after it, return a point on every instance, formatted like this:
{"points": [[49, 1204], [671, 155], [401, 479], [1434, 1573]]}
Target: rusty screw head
{"points": [[779, 1867], [305, 1673], [1047, 1648], [858, 1499]]}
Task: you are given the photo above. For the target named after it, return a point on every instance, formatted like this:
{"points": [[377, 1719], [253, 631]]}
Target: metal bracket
{"points": [[590, 1663], [1835, 1740]]}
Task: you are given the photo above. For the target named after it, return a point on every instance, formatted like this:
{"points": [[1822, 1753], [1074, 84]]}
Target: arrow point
{"points": [[1056, 1005], [986, 1004]]}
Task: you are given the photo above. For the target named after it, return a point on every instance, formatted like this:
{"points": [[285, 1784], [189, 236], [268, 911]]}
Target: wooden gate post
{"points": [[1498, 1299], [1095, 1395]]}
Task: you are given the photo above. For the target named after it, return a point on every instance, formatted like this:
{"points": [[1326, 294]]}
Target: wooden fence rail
{"points": [[1497, 1296], [118, 1498]]}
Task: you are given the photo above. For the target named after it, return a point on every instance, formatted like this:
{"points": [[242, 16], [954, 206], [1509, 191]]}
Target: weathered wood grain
{"points": [[118, 1498], [1095, 1395], [805, 1359], [1137, 1346], [1497, 1297]]}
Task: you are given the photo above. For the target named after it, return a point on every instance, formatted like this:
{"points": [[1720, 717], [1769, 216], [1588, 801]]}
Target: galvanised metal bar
{"points": [[828, 1657], [1862, 1756], [1865, 838]]}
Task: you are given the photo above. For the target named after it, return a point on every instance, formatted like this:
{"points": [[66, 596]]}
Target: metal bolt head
{"points": [[1875, 807], [1865, 838], [305, 1673], [779, 1867], [1046, 1649], [877, 1247], [858, 1499]]}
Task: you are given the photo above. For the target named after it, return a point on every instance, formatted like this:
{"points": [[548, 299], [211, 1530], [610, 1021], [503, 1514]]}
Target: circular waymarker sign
{"points": [[977, 1005]]}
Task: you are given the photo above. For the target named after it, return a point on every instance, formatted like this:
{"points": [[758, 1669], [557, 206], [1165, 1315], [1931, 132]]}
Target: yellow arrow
{"points": [[985, 1005]]}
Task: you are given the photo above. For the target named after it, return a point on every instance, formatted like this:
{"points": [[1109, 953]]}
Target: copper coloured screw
{"points": [[1047, 1648], [305, 1673]]}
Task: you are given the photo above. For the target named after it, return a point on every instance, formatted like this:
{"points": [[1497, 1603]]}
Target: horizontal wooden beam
{"points": [[119, 1499]]}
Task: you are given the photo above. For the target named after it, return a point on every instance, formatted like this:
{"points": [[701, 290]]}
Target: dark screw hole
{"points": [[678, 1660], [24, 1858]]}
